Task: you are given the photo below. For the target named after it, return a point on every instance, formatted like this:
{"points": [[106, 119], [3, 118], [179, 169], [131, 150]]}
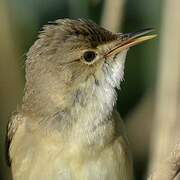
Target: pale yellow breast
{"points": [[44, 160]]}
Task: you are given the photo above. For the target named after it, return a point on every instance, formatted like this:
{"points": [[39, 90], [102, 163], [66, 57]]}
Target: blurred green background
{"points": [[20, 22]]}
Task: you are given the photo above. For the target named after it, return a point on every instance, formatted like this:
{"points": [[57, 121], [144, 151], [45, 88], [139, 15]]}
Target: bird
{"points": [[67, 127]]}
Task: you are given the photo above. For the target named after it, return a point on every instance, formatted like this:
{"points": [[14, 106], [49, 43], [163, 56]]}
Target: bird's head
{"points": [[74, 61]]}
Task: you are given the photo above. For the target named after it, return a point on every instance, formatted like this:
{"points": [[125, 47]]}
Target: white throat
{"points": [[94, 113]]}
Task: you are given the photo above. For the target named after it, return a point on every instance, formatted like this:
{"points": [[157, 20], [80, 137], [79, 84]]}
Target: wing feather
{"points": [[12, 126]]}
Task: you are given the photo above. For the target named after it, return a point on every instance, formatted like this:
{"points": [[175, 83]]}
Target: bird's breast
{"points": [[46, 159]]}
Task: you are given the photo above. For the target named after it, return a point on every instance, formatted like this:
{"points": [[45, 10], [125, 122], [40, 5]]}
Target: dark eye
{"points": [[89, 56]]}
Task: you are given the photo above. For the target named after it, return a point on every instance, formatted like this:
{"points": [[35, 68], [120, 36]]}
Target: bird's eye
{"points": [[89, 56]]}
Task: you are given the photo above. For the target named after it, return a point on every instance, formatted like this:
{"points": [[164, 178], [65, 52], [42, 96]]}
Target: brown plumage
{"points": [[67, 128]]}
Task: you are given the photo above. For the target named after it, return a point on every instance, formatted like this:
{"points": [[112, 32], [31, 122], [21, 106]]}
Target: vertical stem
{"points": [[112, 14], [167, 123]]}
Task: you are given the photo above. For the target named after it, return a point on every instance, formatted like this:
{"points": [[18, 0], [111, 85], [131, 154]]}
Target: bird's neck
{"points": [[93, 117], [88, 117]]}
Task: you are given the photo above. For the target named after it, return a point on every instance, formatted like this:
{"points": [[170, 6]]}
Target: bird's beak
{"points": [[128, 40]]}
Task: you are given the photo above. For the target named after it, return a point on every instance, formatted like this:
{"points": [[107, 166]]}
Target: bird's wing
{"points": [[119, 124], [11, 130], [123, 141]]}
